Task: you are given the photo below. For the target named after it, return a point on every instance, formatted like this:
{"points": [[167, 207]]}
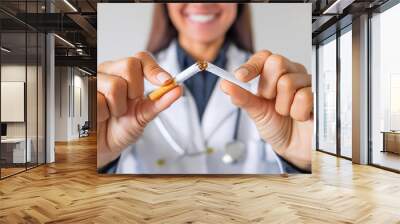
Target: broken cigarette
{"points": [[192, 70]]}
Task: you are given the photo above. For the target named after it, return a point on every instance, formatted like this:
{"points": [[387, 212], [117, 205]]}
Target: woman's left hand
{"points": [[282, 108]]}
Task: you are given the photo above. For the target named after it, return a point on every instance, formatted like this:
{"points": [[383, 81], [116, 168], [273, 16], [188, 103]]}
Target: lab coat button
{"points": [[160, 162]]}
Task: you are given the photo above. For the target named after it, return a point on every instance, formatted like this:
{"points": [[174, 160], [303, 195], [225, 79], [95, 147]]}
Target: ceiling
{"points": [[76, 22]]}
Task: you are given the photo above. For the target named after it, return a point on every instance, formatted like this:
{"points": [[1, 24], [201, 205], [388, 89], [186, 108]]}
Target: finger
{"points": [[275, 66], [151, 70], [253, 67], [129, 69], [300, 68], [302, 105], [287, 87], [149, 109], [102, 109], [246, 100], [114, 89]]}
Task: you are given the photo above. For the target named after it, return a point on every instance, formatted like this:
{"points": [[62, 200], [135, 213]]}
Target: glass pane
{"points": [[31, 88], [31, 98], [22, 89], [13, 86], [346, 94], [327, 97], [386, 89], [41, 98]]}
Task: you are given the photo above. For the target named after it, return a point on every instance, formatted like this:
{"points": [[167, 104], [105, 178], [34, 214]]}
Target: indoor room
{"points": [[49, 168], [334, 58], [22, 100]]}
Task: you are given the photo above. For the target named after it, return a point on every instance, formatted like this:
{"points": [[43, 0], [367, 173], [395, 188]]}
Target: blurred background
{"points": [[281, 28]]}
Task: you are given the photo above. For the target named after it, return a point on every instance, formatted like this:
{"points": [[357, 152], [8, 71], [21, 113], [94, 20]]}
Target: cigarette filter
{"points": [[178, 79]]}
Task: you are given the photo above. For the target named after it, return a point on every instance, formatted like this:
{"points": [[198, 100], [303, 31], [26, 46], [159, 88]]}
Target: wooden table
{"points": [[13, 150], [391, 141]]}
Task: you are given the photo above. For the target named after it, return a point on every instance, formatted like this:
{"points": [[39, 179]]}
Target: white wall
{"points": [[16, 73], [66, 119], [61, 103], [123, 29], [12, 100], [82, 82], [33, 126]]}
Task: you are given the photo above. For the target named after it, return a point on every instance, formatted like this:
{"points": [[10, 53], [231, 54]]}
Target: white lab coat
{"points": [[152, 154]]}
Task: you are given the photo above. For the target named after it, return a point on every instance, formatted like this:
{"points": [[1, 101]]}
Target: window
{"points": [[385, 89], [327, 96], [346, 93]]}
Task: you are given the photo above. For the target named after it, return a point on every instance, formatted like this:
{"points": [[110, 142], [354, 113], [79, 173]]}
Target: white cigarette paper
{"points": [[227, 76], [187, 73]]}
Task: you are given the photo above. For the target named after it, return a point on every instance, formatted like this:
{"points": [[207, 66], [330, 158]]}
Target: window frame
{"points": [[334, 37], [378, 10], [27, 29]]}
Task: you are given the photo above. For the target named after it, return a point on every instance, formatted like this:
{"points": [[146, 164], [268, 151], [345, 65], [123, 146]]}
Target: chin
{"points": [[204, 38]]}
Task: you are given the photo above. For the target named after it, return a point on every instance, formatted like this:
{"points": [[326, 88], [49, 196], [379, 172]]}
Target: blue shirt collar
{"points": [[201, 85]]}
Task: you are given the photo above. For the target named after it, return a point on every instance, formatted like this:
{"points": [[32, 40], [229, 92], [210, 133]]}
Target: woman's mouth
{"points": [[201, 18]]}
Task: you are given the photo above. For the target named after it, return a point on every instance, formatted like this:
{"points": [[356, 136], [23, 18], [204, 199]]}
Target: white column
{"points": [[50, 98], [360, 90]]}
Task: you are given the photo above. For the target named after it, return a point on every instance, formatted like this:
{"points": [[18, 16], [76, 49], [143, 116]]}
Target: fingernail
{"points": [[242, 73], [163, 77]]}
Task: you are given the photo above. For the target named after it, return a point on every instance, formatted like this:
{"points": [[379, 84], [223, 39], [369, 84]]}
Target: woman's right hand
{"points": [[122, 109]]}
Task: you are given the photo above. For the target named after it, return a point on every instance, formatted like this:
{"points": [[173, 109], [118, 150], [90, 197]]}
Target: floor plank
{"points": [[70, 191], [387, 159]]}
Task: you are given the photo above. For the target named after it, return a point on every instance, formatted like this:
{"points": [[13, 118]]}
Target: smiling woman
{"points": [[204, 124], [203, 24], [236, 24]]}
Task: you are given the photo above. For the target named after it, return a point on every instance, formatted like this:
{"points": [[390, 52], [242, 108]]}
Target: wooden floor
{"points": [[387, 159], [70, 191], [5, 172]]}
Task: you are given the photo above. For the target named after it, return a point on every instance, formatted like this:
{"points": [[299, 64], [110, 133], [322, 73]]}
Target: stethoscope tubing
{"points": [[182, 152]]}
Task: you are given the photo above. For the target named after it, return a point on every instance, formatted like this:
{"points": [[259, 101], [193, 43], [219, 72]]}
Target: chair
{"points": [[84, 130]]}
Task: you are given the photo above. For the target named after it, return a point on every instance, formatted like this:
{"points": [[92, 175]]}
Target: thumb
{"points": [[149, 109], [255, 106]]}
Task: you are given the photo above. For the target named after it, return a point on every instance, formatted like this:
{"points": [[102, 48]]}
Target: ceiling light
{"points": [[84, 71], [70, 5], [64, 40], [337, 7], [5, 50]]}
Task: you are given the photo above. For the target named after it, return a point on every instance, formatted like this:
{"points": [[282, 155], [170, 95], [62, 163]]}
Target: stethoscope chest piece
{"points": [[234, 152]]}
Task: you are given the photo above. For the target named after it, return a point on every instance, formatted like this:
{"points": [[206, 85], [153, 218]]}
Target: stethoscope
{"points": [[234, 150]]}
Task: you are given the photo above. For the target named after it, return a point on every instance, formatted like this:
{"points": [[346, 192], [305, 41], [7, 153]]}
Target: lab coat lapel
{"points": [[220, 106], [184, 109], [168, 59]]}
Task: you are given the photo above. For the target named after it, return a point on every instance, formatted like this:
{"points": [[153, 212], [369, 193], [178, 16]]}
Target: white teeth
{"points": [[201, 18]]}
